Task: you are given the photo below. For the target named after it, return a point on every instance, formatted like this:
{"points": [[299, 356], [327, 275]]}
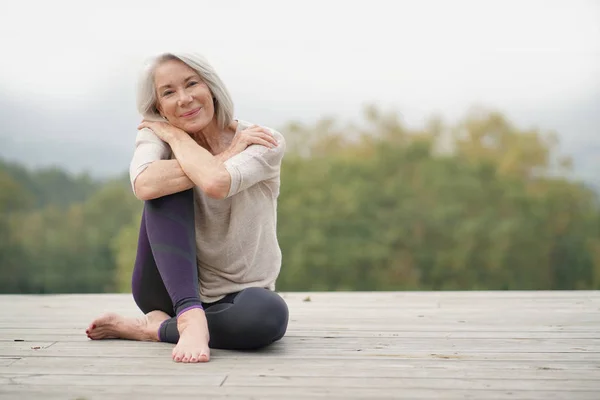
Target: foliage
{"points": [[50, 185], [478, 205]]}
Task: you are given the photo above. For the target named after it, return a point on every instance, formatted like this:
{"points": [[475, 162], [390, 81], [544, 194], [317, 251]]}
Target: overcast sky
{"points": [[285, 60]]}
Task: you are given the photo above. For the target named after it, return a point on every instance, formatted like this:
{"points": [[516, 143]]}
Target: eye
{"points": [[167, 92], [192, 83]]}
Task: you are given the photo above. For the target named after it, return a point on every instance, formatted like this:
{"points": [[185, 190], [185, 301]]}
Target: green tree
{"points": [[14, 199]]}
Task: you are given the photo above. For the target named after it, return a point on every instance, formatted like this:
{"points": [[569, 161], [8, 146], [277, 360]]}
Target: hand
{"points": [[165, 131], [249, 136]]}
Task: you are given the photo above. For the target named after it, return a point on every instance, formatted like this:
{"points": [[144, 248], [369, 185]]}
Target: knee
{"points": [[173, 200], [276, 318], [270, 316]]}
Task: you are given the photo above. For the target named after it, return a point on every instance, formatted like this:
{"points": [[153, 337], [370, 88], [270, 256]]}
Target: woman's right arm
{"points": [[152, 172], [161, 178]]}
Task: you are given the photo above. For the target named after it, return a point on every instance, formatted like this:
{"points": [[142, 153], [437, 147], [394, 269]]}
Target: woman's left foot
{"points": [[194, 337], [114, 326]]}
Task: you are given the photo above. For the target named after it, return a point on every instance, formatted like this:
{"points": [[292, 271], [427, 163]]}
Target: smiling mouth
{"points": [[191, 113]]}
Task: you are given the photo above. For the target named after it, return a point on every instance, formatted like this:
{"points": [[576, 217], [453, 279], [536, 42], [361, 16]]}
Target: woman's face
{"points": [[182, 97]]}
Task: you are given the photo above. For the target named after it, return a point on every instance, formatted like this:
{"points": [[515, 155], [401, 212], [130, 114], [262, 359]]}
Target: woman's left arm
{"points": [[210, 173], [204, 169]]}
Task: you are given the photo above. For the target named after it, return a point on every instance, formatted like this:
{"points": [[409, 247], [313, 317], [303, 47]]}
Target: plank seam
{"points": [[13, 361], [223, 381]]}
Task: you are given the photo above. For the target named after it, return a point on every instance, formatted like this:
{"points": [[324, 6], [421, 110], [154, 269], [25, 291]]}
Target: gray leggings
{"points": [[165, 278]]}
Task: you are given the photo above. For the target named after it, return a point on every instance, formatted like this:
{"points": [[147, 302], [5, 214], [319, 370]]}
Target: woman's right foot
{"points": [[114, 326], [193, 337]]}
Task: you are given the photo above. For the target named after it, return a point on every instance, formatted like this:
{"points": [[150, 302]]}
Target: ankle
{"points": [[152, 323], [193, 315], [193, 308], [193, 320], [151, 335]]}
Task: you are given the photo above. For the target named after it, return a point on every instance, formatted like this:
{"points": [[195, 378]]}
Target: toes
{"points": [[177, 355], [205, 355], [189, 357], [195, 356]]}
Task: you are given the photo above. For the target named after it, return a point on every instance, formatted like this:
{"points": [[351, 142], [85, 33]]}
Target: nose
{"points": [[184, 98]]}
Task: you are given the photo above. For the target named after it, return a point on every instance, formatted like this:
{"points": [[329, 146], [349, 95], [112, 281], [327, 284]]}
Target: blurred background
{"points": [[432, 145]]}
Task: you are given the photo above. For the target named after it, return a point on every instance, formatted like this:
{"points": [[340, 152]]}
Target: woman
{"points": [[208, 255]]}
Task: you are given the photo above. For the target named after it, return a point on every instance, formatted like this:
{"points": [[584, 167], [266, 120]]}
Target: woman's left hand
{"points": [[165, 131]]}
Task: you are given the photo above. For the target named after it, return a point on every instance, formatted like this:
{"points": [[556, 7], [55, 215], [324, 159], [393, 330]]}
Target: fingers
{"points": [[261, 139], [257, 140], [256, 128], [146, 124], [263, 133], [152, 124]]}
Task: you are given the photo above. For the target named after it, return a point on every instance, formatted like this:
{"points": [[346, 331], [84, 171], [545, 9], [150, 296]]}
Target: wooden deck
{"points": [[428, 345]]}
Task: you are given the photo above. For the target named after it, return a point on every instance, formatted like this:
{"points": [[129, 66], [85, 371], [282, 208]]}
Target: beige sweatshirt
{"points": [[236, 238]]}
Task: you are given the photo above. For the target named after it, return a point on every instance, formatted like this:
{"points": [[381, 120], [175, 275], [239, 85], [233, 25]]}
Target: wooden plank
{"points": [[125, 302], [198, 380], [339, 345], [6, 361], [92, 305], [334, 300], [235, 380], [570, 318], [349, 300], [302, 368], [393, 327], [299, 366], [415, 383], [358, 329], [289, 348], [6, 347], [386, 324], [101, 392], [296, 354], [516, 345], [345, 344], [78, 334], [33, 337]]}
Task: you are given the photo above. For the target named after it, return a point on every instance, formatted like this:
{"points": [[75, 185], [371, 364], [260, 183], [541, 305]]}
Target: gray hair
{"points": [[146, 93]]}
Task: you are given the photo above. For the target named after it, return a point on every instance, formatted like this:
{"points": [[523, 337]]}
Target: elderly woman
{"points": [[207, 256]]}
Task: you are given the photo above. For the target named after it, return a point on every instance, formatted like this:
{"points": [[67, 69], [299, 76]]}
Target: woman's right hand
{"points": [[249, 136]]}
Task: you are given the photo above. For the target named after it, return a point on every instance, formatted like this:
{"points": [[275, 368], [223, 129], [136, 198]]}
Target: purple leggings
{"points": [[165, 278]]}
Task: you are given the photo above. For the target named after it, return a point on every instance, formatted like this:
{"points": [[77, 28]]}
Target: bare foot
{"points": [[193, 337], [114, 326]]}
